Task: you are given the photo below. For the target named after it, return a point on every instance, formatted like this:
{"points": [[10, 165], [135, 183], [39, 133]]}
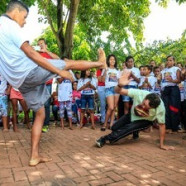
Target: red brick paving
{"points": [[76, 160]]}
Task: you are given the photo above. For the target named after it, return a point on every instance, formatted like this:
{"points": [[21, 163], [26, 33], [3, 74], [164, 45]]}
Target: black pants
{"points": [[183, 119], [172, 101], [124, 127]]}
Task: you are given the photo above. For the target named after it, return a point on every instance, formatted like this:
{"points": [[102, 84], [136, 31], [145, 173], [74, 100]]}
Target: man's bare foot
{"points": [[102, 58], [34, 162], [70, 128], [5, 130]]}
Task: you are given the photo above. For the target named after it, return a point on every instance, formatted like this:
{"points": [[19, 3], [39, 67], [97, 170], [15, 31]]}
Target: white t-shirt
{"points": [[112, 76], [181, 87], [151, 74], [65, 89], [152, 81], [87, 91], [157, 88], [3, 85], [168, 72], [14, 64]]}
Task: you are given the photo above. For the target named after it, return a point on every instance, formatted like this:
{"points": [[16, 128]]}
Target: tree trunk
{"points": [[70, 28], [60, 34]]}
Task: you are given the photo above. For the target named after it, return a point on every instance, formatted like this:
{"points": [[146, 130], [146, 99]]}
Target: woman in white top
{"points": [[111, 80], [171, 77], [87, 85]]}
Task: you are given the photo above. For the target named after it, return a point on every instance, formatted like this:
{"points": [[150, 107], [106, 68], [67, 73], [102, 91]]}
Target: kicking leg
{"points": [[84, 65]]}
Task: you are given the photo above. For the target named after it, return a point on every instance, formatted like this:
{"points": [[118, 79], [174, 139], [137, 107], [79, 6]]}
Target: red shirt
{"points": [[56, 102], [47, 56], [75, 95], [98, 73]]}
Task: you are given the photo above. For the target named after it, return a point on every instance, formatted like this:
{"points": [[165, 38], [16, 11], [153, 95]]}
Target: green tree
{"points": [[119, 18], [159, 50]]}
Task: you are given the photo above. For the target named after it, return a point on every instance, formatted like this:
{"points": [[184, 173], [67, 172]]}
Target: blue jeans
{"points": [[55, 109], [102, 97], [47, 106], [87, 100], [127, 98], [3, 105]]}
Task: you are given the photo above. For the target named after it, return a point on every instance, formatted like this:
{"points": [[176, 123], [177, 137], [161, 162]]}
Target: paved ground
{"points": [[76, 160]]}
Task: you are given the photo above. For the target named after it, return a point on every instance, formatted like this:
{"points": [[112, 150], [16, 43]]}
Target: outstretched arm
{"points": [[162, 138]]}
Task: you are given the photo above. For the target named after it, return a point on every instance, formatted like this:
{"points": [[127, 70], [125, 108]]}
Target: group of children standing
{"points": [[168, 82], [78, 97]]}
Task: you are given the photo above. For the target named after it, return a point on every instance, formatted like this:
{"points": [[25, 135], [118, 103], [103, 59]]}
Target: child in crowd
{"points": [[15, 97], [171, 77], [181, 88], [65, 100], [152, 64], [147, 82], [184, 103], [141, 69], [111, 80], [55, 107], [135, 79], [157, 75], [76, 102], [87, 86], [4, 88]]}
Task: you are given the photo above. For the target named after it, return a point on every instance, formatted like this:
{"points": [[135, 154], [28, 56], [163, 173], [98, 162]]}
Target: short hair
{"points": [[156, 67], [42, 39], [142, 66], [154, 100], [129, 57], [170, 56], [148, 67], [16, 4]]}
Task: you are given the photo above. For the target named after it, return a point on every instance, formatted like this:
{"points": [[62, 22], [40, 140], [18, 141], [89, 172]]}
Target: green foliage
{"points": [[164, 3], [159, 50], [50, 40], [119, 18]]}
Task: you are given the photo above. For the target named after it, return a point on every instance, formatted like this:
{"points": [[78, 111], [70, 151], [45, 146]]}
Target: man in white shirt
{"points": [[27, 70]]}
